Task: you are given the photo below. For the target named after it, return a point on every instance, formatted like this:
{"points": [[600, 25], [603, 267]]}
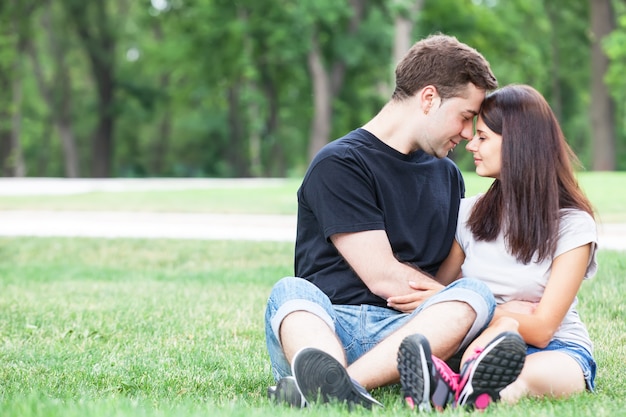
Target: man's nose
{"points": [[468, 131], [471, 144]]}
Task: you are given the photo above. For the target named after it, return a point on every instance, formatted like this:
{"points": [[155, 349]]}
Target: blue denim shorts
{"points": [[360, 327], [581, 355]]}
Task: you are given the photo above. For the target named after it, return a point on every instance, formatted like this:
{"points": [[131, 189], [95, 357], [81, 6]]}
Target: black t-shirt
{"points": [[358, 183]]}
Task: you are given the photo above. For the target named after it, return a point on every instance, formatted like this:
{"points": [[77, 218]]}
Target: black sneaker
{"points": [[321, 378], [426, 380], [286, 392], [490, 370]]}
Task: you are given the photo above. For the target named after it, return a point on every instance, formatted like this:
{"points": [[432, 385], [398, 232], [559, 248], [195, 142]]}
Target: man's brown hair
{"points": [[444, 62]]}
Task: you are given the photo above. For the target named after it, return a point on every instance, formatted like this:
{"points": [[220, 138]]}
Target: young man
{"points": [[377, 212]]}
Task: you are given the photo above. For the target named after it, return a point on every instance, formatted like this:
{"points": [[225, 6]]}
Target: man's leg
{"points": [[298, 315], [449, 320], [444, 325], [300, 330]]}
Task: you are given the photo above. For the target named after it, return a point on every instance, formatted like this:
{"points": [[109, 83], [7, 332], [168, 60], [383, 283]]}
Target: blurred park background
{"points": [[253, 88]]}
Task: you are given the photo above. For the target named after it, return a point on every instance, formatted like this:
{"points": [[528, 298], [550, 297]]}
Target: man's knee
{"points": [[472, 292], [292, 294], [476, 295]]}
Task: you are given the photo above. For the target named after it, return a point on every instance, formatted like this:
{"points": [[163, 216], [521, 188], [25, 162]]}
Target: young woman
{"points": [[532, 239]]}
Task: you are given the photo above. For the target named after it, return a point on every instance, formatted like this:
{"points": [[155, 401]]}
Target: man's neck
{"points": [[390, 127]]}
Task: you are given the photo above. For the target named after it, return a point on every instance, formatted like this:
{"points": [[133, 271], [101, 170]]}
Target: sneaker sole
{"points": [[496, 367], [286, 392], [321, 378], [414, 365]]}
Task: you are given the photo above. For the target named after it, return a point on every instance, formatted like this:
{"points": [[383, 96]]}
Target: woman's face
{"points": [[487, 149]]}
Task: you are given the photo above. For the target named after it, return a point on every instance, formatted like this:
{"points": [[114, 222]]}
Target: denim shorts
{"points": [[581, 355], [360, 327]]}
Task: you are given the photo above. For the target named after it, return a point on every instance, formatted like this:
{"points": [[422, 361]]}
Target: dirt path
{"points": [[167, 225]]}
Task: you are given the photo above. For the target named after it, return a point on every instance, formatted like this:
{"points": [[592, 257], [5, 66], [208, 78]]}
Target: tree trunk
{"points": [[236, 157], [95, 31], [17, 156], [322, 100], [43, 153], [403, 24], [161, 144], [254, 139], [602, 109], [556, 101], [18, 28], [60, 109], [102, 139], [277, 163], [5, 124], [57, 95], [326, 85]]}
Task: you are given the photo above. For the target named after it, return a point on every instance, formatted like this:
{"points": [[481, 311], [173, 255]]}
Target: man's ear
{"points": [[427, 95]]}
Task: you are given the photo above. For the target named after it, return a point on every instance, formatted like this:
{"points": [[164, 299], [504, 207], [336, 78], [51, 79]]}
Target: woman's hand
{"points": [[409, 302]]}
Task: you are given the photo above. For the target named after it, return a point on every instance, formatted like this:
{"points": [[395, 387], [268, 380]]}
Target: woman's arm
{"points": [[566, 276], [450, 269]]}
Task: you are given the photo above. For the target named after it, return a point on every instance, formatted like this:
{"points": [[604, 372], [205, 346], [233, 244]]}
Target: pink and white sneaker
{"points": [[490, 370]]}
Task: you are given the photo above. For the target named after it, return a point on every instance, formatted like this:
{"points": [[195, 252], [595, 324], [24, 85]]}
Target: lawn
{"points": [[93, 327], [134, 327]]}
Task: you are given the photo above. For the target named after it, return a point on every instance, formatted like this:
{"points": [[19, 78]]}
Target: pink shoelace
{"points": [[449, 376]]}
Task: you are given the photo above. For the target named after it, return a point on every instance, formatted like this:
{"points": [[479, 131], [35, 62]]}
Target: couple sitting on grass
{"points": [[399, 278]]}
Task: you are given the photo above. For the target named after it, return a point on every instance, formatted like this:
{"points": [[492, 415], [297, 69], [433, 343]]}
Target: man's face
{"points": [[451, 121]]}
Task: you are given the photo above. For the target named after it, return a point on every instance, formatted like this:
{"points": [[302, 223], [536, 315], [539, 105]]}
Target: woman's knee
{"points": [[504, 324]]}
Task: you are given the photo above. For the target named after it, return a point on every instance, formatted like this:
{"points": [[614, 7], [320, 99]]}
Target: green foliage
{"points": [[223, 88], [615, 47], [546, 54]]}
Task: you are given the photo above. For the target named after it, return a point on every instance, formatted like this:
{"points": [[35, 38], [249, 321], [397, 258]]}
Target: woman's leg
{"points": [[500, 325], [546, 373]]}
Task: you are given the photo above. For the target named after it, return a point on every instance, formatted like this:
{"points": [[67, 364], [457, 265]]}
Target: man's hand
{"points": [[422, 291]]}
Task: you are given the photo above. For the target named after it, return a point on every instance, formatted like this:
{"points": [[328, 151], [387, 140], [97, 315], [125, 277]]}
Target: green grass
{"points": [[134, 327], [279, 197], [96, 327], [89, 324]]}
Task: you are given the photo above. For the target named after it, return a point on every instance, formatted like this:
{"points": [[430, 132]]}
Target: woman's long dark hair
{"points": [[536, 176]]}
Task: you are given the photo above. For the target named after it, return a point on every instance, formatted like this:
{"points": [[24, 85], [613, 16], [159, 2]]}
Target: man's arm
{"points": [[370, 255]]}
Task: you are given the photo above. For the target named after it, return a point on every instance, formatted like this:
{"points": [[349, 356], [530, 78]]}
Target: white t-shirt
{"points": [[509, 279]]}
